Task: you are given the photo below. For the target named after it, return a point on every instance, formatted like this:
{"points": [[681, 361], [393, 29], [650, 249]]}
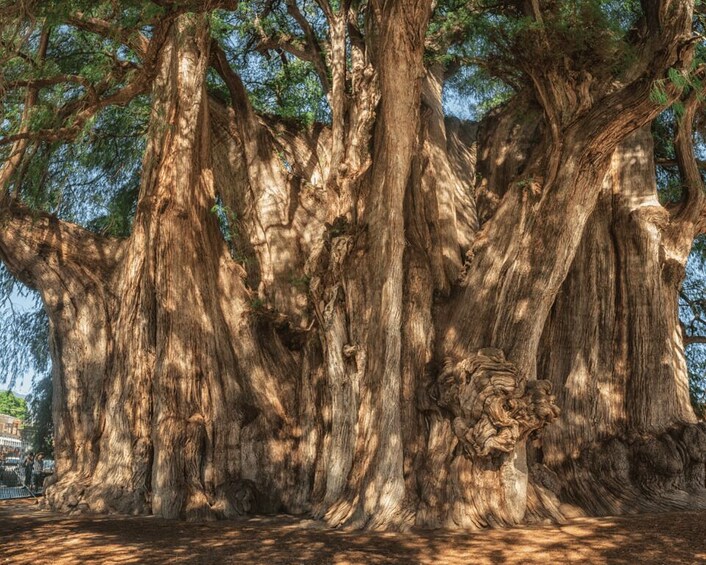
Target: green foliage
{"points": [[471, 93], [24, 333], [497, 44], [658, 94], [92, 181], [278, 83], [291, 90], [12, 405]]}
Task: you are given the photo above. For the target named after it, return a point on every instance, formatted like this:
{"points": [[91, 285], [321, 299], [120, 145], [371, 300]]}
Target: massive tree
{"points": [[360, 308]]}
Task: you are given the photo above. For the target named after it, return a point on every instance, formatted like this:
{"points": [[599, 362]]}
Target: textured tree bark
{"points": [[165, 399], [374, 491], [516, 266], [627, 439], [70, 267]]}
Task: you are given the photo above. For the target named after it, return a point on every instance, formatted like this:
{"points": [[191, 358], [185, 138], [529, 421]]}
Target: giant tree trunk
{"points": [[627, 438], [356, 368], [164, 398]]}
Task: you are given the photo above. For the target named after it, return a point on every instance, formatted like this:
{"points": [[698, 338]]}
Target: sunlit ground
{"points": [[30, 535]]}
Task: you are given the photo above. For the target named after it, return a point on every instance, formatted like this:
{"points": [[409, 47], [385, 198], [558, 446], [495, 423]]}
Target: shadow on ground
{"points": [[30, 535]]}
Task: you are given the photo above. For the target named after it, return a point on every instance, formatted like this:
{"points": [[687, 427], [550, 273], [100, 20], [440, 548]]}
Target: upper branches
{"points": [[18, 149], [121, 84], [84, 66], [283, 27]]}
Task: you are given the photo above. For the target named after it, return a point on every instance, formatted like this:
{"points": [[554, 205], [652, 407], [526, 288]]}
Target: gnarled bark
{"points": [[627, 439], [166, 400]]}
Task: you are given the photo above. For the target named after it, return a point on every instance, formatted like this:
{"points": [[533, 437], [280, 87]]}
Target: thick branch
{"points": [[318, 58], [36, 246], [236, 89], [135, 40], [303, 147]]}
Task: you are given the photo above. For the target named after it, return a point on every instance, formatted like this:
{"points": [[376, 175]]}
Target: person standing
{"points": [[38, 471], [28, 464]]}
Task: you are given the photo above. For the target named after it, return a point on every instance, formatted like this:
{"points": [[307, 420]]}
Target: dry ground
{"points": [[33, 536]]}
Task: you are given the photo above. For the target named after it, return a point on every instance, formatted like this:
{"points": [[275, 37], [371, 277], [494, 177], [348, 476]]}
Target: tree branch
{"points": [[135, 40], [238, 94], [695, 201], [326, 9], [302, 147], [52, 81], [20, 145], [35, 245], [700, 163], [88, 106], [312, 43], [689, 339], [121, 97]]}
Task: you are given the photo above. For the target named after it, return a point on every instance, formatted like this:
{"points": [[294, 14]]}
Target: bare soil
{"points": [[31, 535]]}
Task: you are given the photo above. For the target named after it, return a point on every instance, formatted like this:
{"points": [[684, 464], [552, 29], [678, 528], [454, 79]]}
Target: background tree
{"points": [[12, 405], [279, 278]]}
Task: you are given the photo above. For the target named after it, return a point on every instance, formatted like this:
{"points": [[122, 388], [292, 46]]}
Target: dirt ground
{"points": [[30, 535]]}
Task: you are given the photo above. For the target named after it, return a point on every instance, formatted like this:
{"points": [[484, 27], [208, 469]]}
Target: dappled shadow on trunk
{"points": [[29, 535]]}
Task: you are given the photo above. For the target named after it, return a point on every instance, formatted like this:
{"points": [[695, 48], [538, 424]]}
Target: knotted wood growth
{"points": [[494, 406]]}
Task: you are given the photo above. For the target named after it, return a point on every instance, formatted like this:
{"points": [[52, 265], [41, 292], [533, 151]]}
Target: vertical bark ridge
{"points": [[375, 489]]}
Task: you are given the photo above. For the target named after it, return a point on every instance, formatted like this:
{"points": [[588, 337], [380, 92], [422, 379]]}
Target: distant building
{"points": [[10, 438]]}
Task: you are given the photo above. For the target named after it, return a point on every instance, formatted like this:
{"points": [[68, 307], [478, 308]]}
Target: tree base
{"points": [[646, 473], [626, 475], [73, 494]]}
